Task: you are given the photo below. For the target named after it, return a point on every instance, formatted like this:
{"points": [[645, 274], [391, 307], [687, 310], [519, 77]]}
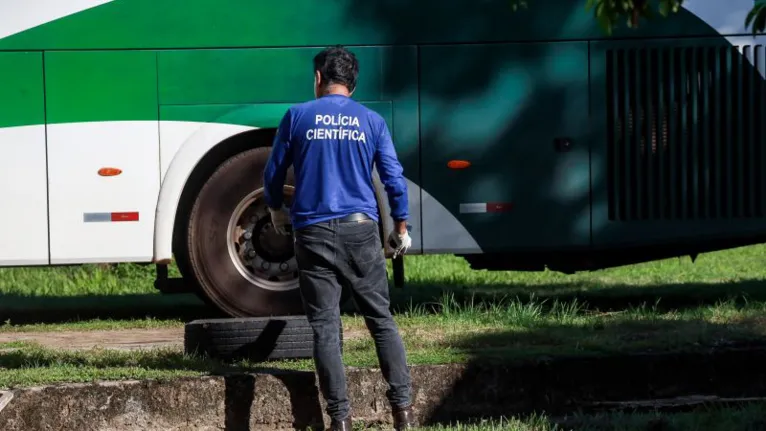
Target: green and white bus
{"points": [[137, 131]]}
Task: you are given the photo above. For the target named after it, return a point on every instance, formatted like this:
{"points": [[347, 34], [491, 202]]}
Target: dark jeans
{"points": [[335, 255]]}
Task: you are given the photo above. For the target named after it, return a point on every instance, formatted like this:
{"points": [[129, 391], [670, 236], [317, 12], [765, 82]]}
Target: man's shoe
{"points": [[344, 425], [404, 418]]}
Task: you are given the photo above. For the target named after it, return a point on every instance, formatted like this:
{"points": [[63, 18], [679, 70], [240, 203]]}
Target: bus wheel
{"points": [[242, 265]]}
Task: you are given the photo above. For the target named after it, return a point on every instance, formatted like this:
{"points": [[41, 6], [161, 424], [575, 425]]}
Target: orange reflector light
{"points": [[109, 172], [458, 164]]}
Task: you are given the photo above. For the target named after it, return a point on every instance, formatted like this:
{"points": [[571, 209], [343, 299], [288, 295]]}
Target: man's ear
{"points": [[318, 78]]}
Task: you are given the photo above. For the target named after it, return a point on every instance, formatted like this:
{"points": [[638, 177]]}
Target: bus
{"points": [[138, 130]]}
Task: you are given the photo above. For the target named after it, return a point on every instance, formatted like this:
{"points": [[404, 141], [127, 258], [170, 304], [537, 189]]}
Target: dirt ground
{"points": [[122, 339], [129, 339]]}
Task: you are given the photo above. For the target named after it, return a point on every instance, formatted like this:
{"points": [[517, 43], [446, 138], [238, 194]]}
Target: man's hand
{"points": [[280, 219], [399, 239]]}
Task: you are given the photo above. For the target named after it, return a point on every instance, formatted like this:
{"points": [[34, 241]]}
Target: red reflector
{"points": [[132, 216], [458, 164], [499, 207]]}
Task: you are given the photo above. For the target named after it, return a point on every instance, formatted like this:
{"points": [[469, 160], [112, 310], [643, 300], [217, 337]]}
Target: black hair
{"points": [[337, 65]]}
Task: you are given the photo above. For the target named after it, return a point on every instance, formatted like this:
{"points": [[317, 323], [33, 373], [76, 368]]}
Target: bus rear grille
{"points": [[686, 133]]}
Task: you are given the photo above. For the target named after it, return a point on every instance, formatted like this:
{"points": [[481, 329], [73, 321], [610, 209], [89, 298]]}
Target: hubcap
{"points": [[262, 256]]}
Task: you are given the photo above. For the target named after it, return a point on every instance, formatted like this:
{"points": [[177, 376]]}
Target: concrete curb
{"points": [[5, 398], [275, 399]]}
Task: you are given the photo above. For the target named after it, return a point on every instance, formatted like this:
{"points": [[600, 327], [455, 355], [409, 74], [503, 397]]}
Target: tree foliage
{"points": [[757, 17], [610, 13]]}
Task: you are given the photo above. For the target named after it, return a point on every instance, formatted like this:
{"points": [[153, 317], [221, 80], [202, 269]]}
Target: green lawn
{"points": [[501, 332], [447, 313], [745, 418], [672, 283]]}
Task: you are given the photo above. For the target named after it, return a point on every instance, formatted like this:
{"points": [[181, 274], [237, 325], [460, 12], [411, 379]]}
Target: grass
{"points": [[148, 322], [108, 297], [25, 364], [745, 418], [32, 365], [498, 332], [732, 272], [447, 313], [673, 282]]}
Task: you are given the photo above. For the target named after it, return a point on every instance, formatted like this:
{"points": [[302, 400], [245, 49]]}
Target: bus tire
{"points": [[242, 276]]}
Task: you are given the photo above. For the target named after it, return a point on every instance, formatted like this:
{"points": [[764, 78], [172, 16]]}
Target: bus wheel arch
{"points": [[201, 172], [230, 154], [212, 172]]}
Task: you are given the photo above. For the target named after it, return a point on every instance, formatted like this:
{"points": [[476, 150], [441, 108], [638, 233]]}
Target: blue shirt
{"points": [[332, 143]]}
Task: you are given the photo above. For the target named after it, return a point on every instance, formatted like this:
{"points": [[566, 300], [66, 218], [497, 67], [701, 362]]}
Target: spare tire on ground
{"points": [[256, 339]]}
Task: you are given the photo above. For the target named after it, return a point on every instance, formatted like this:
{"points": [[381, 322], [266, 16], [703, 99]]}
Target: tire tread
{"points": [[229, 339]]}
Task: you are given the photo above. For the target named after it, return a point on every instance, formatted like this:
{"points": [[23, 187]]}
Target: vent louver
{"points": [[685, 133]]}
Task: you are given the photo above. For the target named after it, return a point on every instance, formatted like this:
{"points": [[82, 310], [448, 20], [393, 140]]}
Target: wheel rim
{"points": [[263, 257]]}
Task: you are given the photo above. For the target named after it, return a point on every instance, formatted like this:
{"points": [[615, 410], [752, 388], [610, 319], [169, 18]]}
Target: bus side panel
{"points": [[216, 89], [506, 138], [400, 84], [23, 187], [102, 113]]}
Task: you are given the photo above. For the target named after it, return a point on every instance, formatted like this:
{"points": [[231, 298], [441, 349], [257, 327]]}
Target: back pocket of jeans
{"points": [[364, 247]]}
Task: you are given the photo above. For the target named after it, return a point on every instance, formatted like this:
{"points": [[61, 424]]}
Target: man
{"points": [[332, 143]]}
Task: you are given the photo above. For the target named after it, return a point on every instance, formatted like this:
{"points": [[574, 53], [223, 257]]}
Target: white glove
{"points": [[280, 219], [400, 242]]}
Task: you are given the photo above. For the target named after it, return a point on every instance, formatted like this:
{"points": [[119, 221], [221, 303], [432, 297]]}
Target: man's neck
{"points": [[336, 90]]}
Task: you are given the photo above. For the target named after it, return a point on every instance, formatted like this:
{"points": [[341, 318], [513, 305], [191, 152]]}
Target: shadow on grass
{"points": [[418, 297], [65, 309], [558, 370], [604, 297], [538, 342], [555, 369]]}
